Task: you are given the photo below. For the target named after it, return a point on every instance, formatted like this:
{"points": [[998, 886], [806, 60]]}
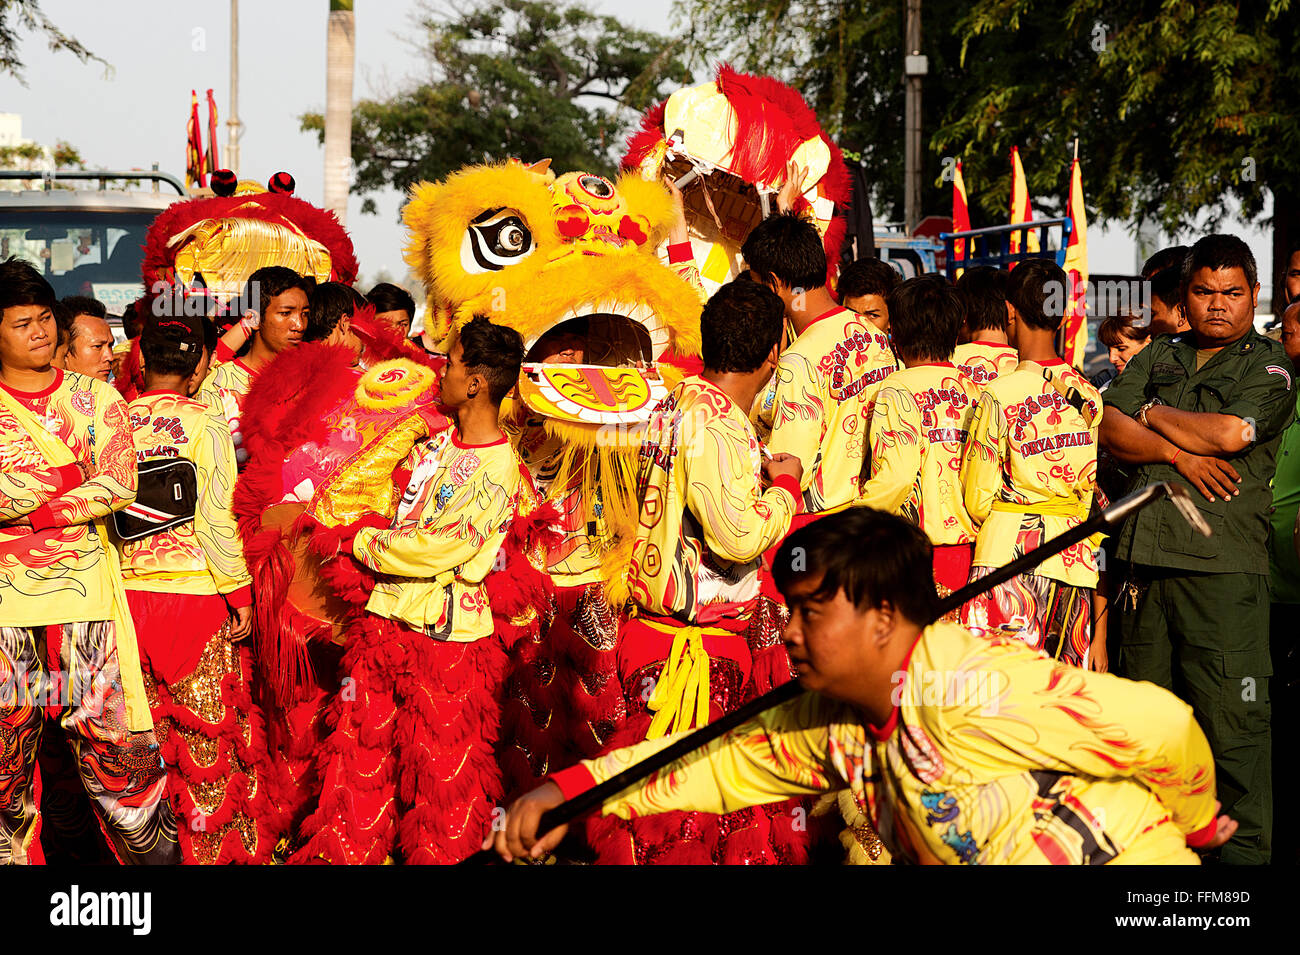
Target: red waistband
{"points": [[643, 644]]}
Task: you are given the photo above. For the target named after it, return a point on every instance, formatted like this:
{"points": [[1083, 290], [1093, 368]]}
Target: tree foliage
{"points": [[512, 78], [64, 156], [1179, 106], [17, 16]]}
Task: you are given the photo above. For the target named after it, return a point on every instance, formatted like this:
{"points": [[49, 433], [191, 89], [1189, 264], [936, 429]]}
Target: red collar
{"points": [[1049, 362], [160, 391], [455, 439], [933, 364], [1003, 345], [32, 395], [884, 732]]}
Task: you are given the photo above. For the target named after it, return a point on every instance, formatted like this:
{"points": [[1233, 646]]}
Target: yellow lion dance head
{"points": [[564, 258], [533, 250]]}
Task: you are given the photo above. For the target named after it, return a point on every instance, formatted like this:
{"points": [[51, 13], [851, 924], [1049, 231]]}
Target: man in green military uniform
{"points": [[1208, 406], [1285, 583]]}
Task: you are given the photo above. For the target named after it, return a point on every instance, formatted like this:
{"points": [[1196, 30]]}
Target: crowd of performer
{"points": [[844, 455]]}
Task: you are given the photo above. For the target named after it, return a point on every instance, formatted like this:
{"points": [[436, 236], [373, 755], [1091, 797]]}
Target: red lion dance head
{"points": [[729, 145]]}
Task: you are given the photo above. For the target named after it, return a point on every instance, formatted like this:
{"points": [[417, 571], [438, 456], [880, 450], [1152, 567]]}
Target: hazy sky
{"points": [[161, 49]]}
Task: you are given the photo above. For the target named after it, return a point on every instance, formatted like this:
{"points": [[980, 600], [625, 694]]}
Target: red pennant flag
{"points": [[195, 170], [213, 163], [960, 214]]}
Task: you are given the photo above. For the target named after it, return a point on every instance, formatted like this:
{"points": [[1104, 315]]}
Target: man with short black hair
{"points": [[1208, 409], [191, 598], [1164, 272], [439, 657], [1028, 474], [959, 751], [1284, 587], [818, 404], [984, 352], [90, 342], [864, 287], [66, 463], [394, 306], [920, 425], [1291, 278], [276, 309], [705, 521]]}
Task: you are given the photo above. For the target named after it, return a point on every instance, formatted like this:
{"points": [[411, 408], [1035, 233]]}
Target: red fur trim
{"points": [[770, 668], [650, 134], [519, 585], [355, 820], [288, 400], [448, 699], [329, 542], [316, 223], [689, 364], [382, 342], [129, 381], [285, 407]]}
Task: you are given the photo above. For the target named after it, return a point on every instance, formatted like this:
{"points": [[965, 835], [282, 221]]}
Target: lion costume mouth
{"points": [[606, 375]]}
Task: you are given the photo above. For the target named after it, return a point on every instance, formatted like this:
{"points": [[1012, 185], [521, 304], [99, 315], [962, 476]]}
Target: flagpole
{"points": [[233, 124]]}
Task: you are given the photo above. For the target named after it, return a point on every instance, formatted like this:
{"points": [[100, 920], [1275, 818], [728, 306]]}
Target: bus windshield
{"points": [[81, 253]]}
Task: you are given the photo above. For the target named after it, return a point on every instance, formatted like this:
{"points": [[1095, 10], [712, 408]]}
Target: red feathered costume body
{"points": [[382, 738]]}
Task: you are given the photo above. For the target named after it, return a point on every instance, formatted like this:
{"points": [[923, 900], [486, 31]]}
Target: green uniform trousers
{"points": [[1205, 637]]}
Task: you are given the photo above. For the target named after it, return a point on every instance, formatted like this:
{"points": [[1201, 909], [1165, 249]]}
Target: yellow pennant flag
{"points": [[1075, 333], [1021, 210]]}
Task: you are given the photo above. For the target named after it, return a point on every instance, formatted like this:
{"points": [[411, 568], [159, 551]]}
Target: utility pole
{"points": [[915, 66], [233, 125]]}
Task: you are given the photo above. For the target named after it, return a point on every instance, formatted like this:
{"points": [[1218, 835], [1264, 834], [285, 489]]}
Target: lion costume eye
{"points": [[598, 186], [495, 239]]}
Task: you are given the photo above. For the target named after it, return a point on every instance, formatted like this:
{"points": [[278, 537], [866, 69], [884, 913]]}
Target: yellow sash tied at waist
{"points": [[1056, 507], [681, 697]]}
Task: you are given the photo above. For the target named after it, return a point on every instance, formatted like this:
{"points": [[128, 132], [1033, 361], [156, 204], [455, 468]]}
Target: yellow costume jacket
{"points": [[450, 524], [918, 430], [983, 362], [225, 389], [705, 519], [204, 556], [57, 570], [1031, 466], [993, 754], [818, 406]]}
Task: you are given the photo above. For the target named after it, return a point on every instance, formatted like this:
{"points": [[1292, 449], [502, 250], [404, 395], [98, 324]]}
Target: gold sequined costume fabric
{"points": [[211, 737]]}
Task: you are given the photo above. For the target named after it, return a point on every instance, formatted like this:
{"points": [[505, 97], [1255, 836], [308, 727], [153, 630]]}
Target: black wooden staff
{"points": [[1111, 517]]}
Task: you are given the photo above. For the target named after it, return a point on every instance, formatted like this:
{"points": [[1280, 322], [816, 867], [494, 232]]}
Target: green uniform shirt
{"points": [[1284, 567], [1251, 379]]}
